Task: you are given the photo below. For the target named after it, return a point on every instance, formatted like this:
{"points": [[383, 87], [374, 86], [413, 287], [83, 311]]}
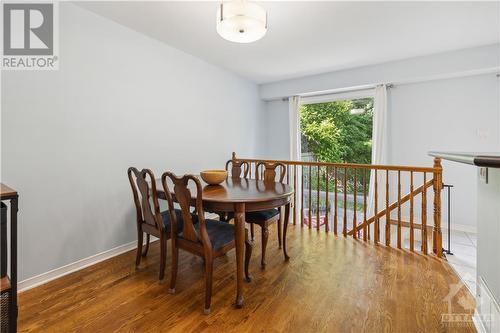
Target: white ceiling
{"points": [[312, 37]]}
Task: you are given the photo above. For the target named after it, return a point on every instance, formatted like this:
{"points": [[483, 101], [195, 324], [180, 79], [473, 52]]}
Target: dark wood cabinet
{"points": [[8, 282]]}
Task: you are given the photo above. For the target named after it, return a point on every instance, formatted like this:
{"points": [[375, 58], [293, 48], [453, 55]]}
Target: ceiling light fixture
{"points": [[241, 21]]}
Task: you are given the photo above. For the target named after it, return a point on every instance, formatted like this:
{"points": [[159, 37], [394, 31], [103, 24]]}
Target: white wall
{"points": [[119, 99], [278, 137], [446, 115], [441, 114], [449, 64], [488, 247]]}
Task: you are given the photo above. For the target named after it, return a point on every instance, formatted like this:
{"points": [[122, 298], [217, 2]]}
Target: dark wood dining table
{"points": [[240, 195]]}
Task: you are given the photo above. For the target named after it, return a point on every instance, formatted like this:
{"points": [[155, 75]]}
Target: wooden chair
{"points": [[208, 239], [266, 172], [236, 169], [239, 169], [149, 219]]}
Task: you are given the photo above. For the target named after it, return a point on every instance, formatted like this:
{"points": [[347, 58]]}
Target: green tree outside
{"points": [[331, 132]]}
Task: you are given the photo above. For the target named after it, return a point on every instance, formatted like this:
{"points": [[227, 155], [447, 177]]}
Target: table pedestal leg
{"points": [[239, 223], [285, 227]]}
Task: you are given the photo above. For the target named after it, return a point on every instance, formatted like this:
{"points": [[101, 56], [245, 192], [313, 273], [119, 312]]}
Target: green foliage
{"points": [[333, 134]]}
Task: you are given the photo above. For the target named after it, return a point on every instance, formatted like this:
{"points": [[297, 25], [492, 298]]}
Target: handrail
{"points": [[342, 165], [392, 206], [342, 184]]}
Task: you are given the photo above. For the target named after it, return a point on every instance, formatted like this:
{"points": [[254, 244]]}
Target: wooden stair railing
{"points": [[393, 206], [335, 197]]}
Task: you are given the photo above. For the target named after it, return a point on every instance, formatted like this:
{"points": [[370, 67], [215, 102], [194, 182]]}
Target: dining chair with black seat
{"points": [[208, 238], [149, 218], [268, 173]]}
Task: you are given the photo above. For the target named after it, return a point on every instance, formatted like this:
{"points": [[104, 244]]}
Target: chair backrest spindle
{"points": [[184, 198], [144, 191], [239, 169], [267, 171]]}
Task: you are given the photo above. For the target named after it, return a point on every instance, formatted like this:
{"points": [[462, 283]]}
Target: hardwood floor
{"points": [[330, 284]]}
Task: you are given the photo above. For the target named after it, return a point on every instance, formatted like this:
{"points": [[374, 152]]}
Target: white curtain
{"points": [[295, 144], [379, 145], [294, 121]]}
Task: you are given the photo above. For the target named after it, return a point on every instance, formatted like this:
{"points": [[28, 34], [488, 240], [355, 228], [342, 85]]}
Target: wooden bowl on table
{"points": [[213, 177]]}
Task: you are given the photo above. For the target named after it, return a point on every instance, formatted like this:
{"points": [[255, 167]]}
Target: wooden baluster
{"points": [[250, 170], [377, 221], [387, 212], [354, 222], [318, 199], [335, 188], [295, 195], [310, 197], [345, 202], [295, 178], [424, 217], [412, 230], [399, 209], [327, 227], [437, 185], [302, 197], [365, 228]]}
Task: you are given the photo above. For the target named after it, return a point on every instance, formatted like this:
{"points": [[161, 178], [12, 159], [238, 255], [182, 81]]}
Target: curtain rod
{"points": [[494, 70], [340, 91]]}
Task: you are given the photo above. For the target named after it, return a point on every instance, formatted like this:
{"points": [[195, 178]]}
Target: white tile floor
{"points": [[463, 260]]}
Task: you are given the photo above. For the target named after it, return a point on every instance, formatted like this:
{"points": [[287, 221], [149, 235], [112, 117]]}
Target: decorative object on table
{"points": [[149, 219], [208, 239], [8, 283], [213, 177]]}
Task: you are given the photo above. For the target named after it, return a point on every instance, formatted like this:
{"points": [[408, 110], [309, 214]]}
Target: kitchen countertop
{"points": [[489, 160]]}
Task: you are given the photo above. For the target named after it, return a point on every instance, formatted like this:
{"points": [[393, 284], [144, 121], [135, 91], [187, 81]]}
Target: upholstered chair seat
{"points": [[262, 215]]}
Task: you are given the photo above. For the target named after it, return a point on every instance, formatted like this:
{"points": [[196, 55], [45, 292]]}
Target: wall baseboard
{"points": [[487, 315], [460, 227], [43, 278], [444, 225], [478, 323]]}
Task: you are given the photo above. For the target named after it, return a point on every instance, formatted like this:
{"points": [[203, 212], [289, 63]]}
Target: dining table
{"points": [[238, 196]]}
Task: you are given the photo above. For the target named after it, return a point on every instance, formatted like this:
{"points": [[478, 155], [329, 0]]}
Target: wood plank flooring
{"points": [[330, 284]]}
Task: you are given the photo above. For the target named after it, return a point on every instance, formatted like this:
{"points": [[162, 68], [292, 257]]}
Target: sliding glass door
{"points": [[336, 131]]}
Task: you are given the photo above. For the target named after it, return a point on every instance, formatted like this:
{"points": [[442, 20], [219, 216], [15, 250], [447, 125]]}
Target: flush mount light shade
{"points": [[241, 21]]}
